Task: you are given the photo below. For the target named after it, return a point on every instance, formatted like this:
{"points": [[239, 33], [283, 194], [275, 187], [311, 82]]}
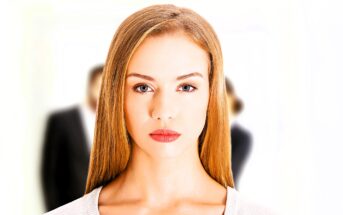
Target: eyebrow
{"points": [[152, 79]]}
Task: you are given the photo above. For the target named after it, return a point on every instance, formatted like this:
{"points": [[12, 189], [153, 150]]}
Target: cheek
{"points": [[135, 113], [195, 109], [194, 114]]}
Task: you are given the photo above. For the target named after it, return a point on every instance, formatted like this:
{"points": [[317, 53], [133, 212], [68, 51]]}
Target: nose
{"points": [[163, 107]]}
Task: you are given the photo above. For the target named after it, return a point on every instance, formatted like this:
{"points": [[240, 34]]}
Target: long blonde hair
{"points": [[112, 144]]}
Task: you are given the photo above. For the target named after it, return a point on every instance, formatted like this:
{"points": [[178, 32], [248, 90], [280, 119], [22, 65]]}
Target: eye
{"points": [[141, 88], [187, 88]]}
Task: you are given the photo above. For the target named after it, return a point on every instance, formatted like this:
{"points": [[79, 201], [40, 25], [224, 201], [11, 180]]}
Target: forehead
{"points": [[169, 55]]}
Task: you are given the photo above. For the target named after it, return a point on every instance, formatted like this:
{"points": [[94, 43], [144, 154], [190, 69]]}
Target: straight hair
{"points": [[111, 149]]}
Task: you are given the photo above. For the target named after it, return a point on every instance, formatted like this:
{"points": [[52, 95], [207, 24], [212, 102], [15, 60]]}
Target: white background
{"points": [[284, 58]]}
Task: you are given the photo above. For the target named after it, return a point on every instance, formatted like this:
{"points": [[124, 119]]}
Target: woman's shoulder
{"points": [[236, 204], [86, 205]]}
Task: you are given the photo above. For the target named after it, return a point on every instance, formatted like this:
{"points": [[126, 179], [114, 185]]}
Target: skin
{"points": [[232, 114], [165, 178], [94, 92]]}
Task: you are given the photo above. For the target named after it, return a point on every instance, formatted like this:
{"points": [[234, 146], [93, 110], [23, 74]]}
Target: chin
{"points": [[169, 150]]}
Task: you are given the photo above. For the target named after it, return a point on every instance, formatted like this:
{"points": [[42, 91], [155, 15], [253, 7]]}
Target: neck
{"points": [[160, 179]]}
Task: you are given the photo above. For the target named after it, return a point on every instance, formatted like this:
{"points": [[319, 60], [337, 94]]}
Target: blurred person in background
{"points": [[241, 140], [66, 147]]}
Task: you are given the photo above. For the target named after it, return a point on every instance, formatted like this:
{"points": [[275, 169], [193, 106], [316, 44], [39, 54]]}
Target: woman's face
{"points": [[166, 87]]}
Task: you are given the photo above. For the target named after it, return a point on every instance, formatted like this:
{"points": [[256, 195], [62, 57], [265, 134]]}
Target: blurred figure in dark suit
{"points": [[241, 141], [66, 148]]}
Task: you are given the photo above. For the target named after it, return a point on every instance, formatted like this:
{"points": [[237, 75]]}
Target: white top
{"points": [[88, 205]]}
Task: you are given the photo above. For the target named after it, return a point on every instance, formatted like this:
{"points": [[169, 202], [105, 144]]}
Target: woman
{"points": [[161, 142]]}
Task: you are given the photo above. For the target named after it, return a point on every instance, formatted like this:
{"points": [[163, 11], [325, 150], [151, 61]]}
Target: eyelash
{"points": [[140, 85]]}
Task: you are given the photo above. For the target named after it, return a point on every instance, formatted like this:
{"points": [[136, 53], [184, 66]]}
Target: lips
{"points": [[164, 135]]}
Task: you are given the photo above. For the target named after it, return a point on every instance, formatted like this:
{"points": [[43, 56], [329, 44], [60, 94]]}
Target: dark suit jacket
{"points": [[65, 158], [241, 143]]}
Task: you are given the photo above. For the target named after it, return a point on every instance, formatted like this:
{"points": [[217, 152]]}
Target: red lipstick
{"points": [[164, 135]]}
